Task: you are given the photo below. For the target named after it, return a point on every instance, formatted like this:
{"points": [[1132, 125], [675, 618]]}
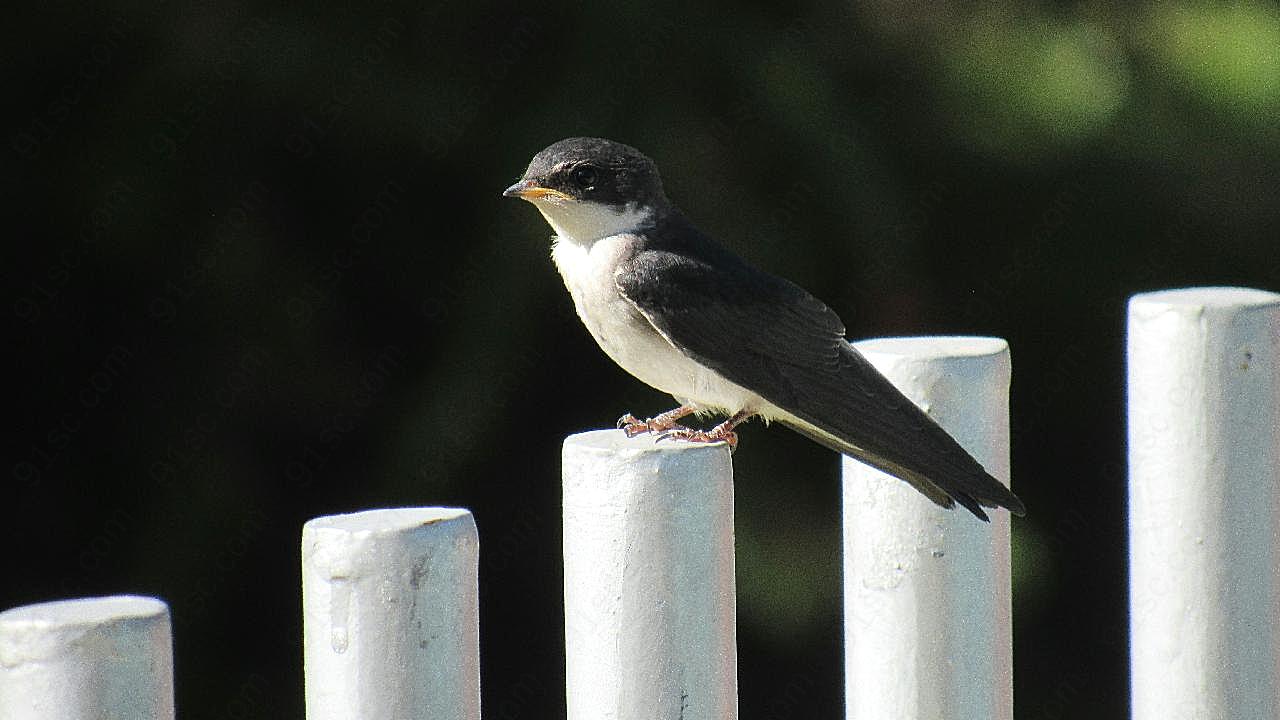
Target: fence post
{"points": [[107, 657], [1204, 503], [648, 579], [926, 590], [390, 615]]}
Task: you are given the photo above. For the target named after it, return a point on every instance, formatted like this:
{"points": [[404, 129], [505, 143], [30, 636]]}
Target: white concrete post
{"points": [[926, 590], [1204, 503], [390, 608], [648, 579], [107, 657]]}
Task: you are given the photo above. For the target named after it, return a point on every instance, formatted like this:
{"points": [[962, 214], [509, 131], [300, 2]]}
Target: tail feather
{"points": [[926, 487], [858, 412]]}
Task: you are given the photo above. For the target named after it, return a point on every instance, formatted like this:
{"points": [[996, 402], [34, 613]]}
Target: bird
{"points": [[686, 315]]}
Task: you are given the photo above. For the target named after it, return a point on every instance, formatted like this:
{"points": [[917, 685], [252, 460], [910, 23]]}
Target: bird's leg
{"points": [[660, 423], [722, 432]]}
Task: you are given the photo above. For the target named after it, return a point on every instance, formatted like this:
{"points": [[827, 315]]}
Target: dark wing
{"points": [[772, 337]]}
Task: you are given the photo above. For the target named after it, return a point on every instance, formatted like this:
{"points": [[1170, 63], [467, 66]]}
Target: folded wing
{"points": [[772, 337]]}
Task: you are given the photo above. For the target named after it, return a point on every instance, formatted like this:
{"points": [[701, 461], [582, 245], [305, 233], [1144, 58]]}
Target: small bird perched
{"points": [[679, 311]]}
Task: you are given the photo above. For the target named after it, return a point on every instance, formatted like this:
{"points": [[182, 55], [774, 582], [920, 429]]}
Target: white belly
{"points": [[628, 338]]}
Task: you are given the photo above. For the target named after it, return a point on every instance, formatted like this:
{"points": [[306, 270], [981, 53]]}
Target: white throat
{"points": [[592, 242], [582, 223]]}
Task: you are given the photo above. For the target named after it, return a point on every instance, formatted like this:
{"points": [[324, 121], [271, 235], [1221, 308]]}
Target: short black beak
{"points": [[519, 188], [530, 190]]}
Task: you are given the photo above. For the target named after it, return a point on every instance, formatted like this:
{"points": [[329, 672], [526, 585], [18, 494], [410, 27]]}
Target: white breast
{"points": [[627, 337]]}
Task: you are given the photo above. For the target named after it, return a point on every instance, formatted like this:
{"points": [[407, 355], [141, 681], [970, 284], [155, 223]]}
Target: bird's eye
{"points": [[585, 176]]}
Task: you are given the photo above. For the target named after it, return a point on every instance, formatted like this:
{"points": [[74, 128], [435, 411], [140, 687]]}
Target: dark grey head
{"points": [[593, 170]]}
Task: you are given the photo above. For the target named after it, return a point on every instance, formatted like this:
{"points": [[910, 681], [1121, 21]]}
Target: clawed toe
{"points": [[701, 436], [635, 430], [633, 426], [667, 429]]}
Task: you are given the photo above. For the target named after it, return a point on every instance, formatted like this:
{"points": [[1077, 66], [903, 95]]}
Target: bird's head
{"points": [[588, 188]]}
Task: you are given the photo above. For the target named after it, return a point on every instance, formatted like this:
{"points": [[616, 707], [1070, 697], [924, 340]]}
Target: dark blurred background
{"points": [[259, 270]]}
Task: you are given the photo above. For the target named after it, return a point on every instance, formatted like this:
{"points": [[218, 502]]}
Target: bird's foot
{"points": [[633, 426], [702, 436], [720, 433]]}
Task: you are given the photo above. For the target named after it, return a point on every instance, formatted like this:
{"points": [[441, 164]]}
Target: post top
{"points": [[616, 441], [934, 346], [83, 611], [1204, 297], [386, 519]]}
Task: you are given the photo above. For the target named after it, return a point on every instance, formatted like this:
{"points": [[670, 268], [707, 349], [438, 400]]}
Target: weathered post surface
{"points": [[926, 590], [390, 605], [105, 657], [1204, 503], [648, 579]]}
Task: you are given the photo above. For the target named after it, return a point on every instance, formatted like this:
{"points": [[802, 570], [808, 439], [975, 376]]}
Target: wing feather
{"points": [[770, 336]]}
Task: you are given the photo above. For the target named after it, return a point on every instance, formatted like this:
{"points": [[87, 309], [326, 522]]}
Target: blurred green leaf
{"points": [[1027, 88], [1227, 57]]}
